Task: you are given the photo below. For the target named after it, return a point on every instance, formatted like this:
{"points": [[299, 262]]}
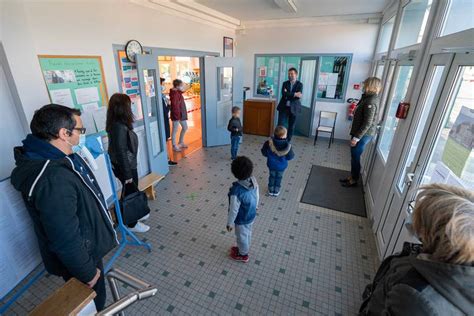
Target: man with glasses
{"points": [[72, 224]]}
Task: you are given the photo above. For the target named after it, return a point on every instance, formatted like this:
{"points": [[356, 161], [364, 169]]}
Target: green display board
{"points": [[77, 82]]}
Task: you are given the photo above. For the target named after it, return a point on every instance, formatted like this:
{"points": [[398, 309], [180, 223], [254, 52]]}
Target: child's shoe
{"points": [[239, 257], [269, 193], [276, 193]]}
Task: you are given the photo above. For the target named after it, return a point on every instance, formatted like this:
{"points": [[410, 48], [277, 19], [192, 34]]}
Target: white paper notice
{"points": [[332, 79], [90, 106], [323, 79], [330, 92], [62, 97], [87, 95], [100, 116], [18, 243], [88, 122]]}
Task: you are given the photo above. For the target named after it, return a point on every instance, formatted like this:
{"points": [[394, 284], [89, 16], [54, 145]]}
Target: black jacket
{"points": [[365, 116], [289, 95], [235, 127], [71, 222], [123, 149], [411, 284]]}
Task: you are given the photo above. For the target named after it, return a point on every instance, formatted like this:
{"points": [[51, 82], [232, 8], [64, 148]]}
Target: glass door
{"points": [[223, 84], [148, 76], [304, 122], [424, 111], [378, 183]]}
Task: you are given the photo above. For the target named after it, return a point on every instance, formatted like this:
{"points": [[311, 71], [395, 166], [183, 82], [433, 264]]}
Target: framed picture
{"points": [[228, 47]]}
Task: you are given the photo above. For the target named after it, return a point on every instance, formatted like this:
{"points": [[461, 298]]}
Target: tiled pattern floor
{"points": [[303, 260]]}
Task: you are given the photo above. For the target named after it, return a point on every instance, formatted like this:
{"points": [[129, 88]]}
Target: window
{"points": [[452, 158], [413, 23], [272, 70], [391, 122], [385, 34], [332, 74], [224, 95], [459, 17], [266, 75]]}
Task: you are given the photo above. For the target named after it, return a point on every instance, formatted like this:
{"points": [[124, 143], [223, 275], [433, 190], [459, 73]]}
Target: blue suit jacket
{"points": [[289, 95]]}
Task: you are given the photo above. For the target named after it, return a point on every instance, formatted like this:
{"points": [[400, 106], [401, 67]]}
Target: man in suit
{"points": [[290, 103]]}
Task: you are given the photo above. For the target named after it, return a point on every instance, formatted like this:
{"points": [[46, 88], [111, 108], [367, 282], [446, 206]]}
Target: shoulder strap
{"points": [[415, 280]]}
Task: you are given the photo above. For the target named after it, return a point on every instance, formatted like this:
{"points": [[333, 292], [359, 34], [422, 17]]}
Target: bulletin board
{"points": [[130, 84], [78, 82]]}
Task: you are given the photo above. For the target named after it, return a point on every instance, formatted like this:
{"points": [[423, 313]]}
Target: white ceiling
{"points": [[246, 10]]}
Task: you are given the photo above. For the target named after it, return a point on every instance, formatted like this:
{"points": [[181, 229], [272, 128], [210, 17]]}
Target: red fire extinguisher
{"points": [[402, 110], [351, 109]]}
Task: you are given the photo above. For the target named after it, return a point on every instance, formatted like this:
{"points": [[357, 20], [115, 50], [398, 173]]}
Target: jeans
{"points": [[274, 181], [234, 146], [356, 152], [184, 128], [288, 120], [99, 287], [243, 233]]}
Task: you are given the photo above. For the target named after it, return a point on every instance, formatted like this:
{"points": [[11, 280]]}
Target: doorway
{"points": [[188, 70]]}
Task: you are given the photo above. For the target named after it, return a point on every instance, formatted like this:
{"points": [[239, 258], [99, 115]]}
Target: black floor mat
{"points": [[324, 189]]}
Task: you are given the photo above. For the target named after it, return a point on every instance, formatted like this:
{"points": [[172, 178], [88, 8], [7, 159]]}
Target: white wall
{"points": [[31, 28], [358, 39]]}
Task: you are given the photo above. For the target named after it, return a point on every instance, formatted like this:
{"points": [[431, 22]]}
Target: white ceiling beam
{"points": [[286, 5], [192, 4]]}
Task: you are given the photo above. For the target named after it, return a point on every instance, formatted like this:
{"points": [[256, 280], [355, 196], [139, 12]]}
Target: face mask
{"points": [[181, 88], [78, 147]]}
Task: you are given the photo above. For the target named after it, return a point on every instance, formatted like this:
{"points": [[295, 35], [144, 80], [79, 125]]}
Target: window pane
{"points": [[379, 70], [391, 123], [427, 104], [385, 34], [266, 72], [413, 23], [452, 158], [308, 72], [459, 17], [152, 103], [224, 95], [332, 72]]}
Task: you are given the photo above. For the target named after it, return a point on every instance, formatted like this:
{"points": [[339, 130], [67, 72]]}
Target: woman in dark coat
{"points": [[123, 145], [364, 127]]}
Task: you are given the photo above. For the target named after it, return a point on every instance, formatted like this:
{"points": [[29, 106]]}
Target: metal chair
{"points": [[325, 128]]}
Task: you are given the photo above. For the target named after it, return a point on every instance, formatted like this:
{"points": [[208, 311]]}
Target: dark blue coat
{"points": [[278, 151], [288, 94]]}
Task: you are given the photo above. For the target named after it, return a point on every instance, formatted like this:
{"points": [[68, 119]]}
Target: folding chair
{"points": [[325, 128]]}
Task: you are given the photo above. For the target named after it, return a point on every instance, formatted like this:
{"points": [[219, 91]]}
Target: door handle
{"points": [[409, 176]]}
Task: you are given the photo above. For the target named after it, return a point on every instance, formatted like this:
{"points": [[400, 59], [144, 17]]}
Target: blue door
{"points": [[148, 76], [223, 89]]}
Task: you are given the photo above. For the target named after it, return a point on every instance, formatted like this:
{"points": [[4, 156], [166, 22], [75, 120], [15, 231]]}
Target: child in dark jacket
{"points": [[278, 151], [235, 129], [243, 202]]}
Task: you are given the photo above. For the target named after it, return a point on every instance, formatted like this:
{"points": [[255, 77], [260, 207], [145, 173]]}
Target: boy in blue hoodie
{"points": [[243, 202], [278, 151]]}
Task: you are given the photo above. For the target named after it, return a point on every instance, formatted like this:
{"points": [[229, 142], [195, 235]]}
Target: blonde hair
{"points": [[444, 220], [280, 131], [372, 85]]}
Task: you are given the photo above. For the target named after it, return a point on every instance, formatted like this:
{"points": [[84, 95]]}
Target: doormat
{"points": [[324, 189]]}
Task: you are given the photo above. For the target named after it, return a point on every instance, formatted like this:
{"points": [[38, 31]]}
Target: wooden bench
{"points": [[69, 299]]}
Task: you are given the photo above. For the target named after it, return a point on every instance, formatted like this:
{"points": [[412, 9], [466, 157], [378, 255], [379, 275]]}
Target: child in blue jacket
{"points": [[278, 151], [243, 202]]}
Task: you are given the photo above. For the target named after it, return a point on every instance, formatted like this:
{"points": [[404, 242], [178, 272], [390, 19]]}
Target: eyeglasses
{"points": [[81, 130]]}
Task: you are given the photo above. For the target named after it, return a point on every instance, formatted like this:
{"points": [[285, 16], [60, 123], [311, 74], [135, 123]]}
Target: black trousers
{"points": [[122, 179], [99, 287], [288, 120]]}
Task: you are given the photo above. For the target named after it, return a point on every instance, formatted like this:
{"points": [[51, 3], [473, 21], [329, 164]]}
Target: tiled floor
{"points": [[304, 259]]}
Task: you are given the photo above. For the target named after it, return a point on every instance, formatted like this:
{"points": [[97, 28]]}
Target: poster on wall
{"points": [[130, 84], [77, 82], [228, 47]]}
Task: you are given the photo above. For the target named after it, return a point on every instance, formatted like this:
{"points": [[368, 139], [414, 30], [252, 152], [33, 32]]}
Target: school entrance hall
{"points": [[267, 157]]}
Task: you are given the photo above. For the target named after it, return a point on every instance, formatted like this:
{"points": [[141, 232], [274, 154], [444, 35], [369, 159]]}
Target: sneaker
{"points": [[234, 250], [172, 163], [239, 257], [183, 145], [176, 148], [144, 218], [276, 193], [140, 228]]}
